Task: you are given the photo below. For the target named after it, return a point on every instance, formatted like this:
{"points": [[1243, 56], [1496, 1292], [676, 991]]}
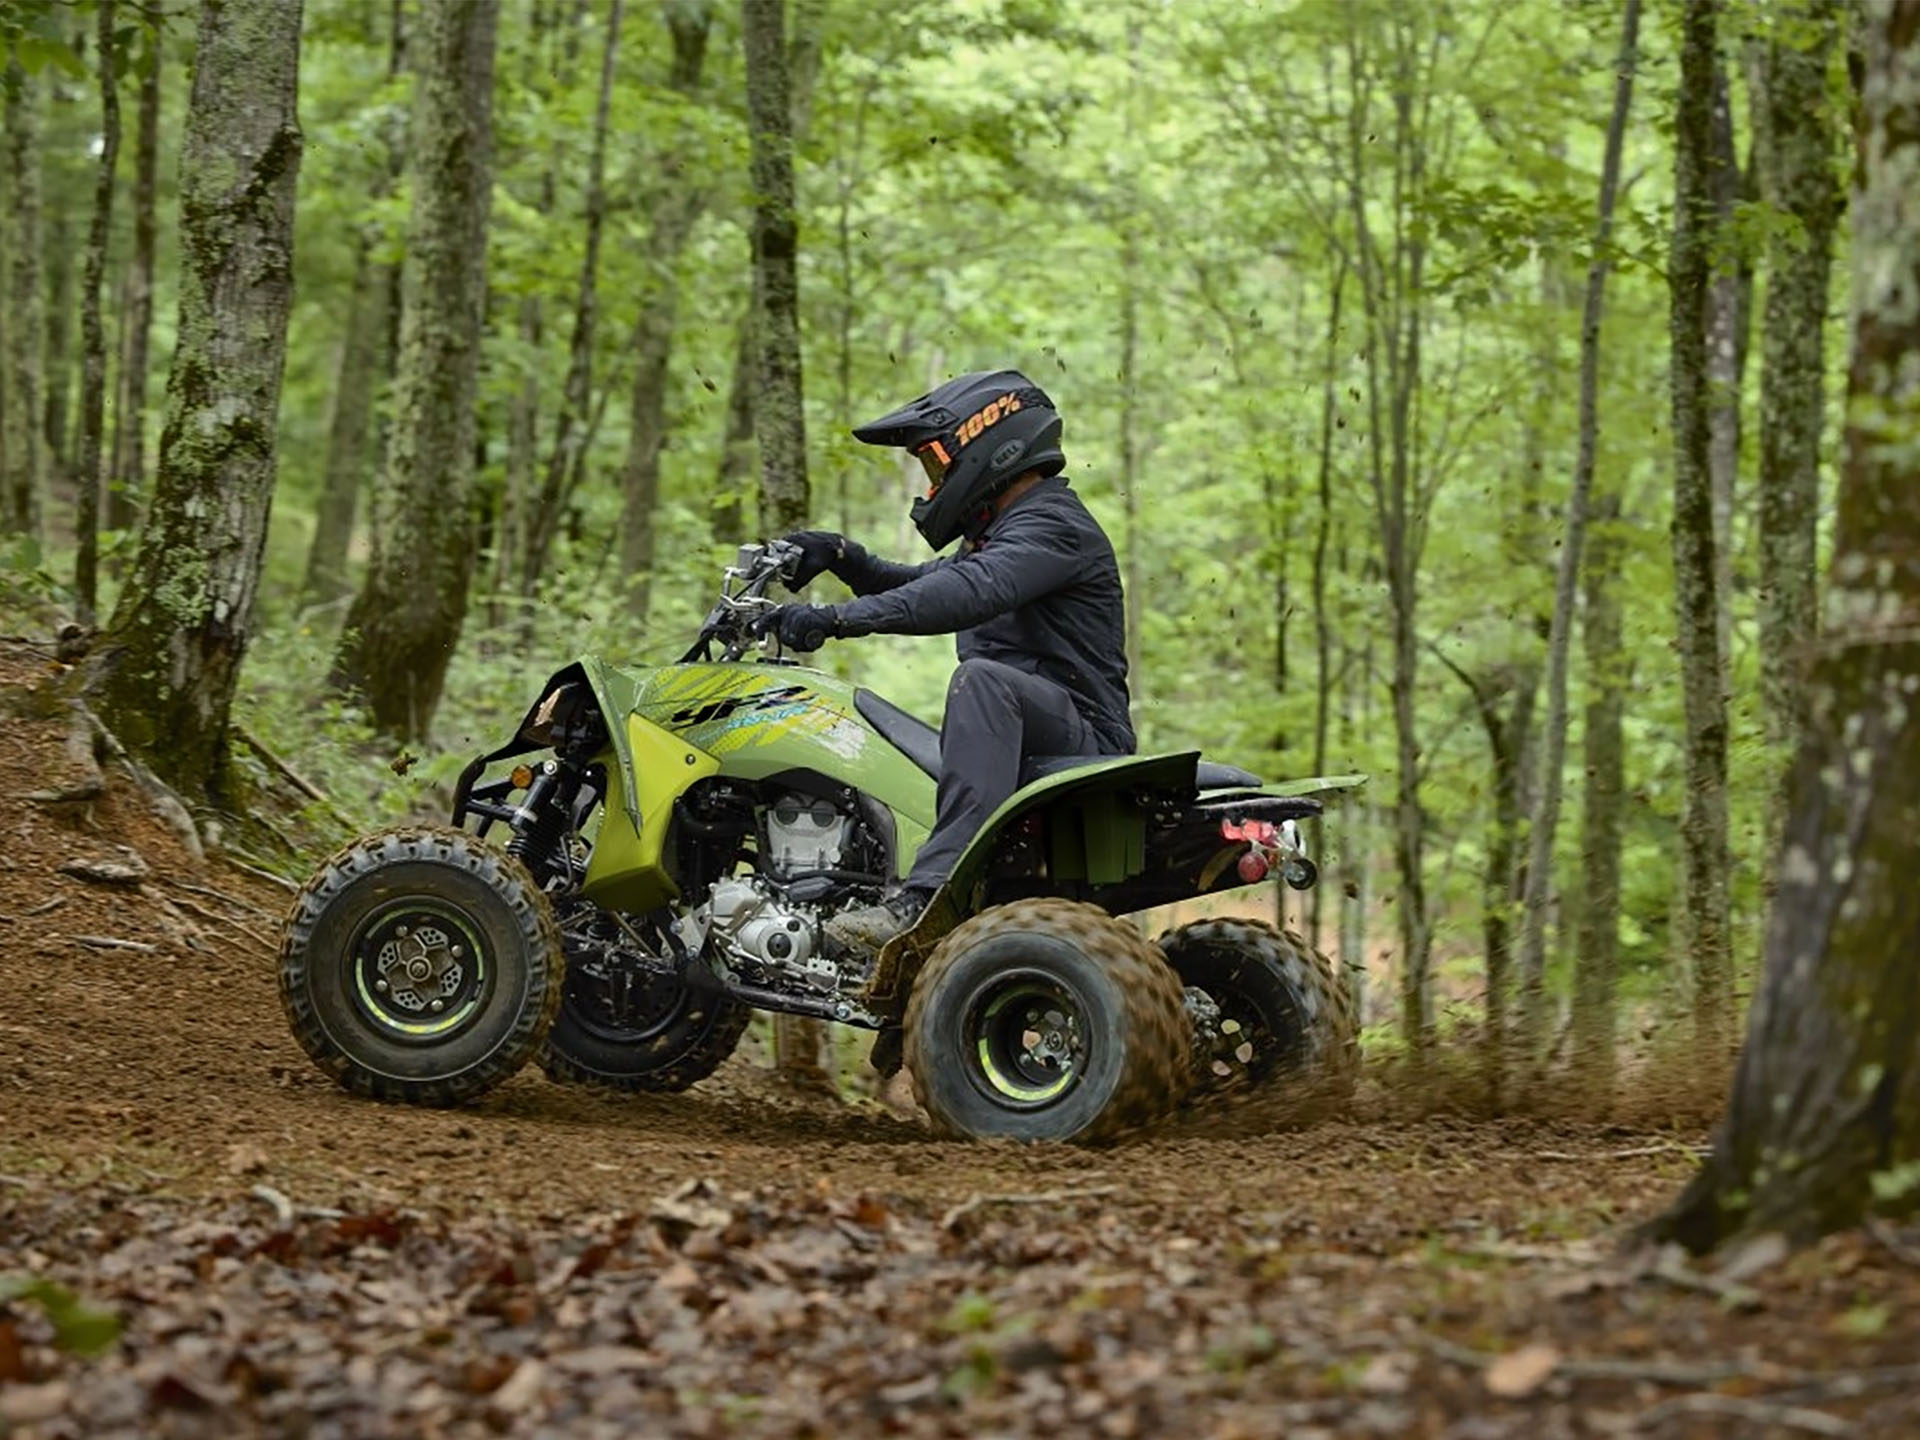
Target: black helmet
{"points": [[975, 435]]}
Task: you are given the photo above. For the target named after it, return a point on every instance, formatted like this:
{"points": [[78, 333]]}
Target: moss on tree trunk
{"points": [[406, 619], [1824, 1121], [165, 672]]}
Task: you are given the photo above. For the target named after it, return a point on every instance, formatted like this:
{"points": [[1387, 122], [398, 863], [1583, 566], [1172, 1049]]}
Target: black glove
{"points": [[800, 627], [821, 550]]}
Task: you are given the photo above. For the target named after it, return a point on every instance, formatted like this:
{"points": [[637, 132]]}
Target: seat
{"points": [[920, 743]]}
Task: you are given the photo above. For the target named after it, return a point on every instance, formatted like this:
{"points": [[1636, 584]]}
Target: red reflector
{"points": [[1253, 867]]}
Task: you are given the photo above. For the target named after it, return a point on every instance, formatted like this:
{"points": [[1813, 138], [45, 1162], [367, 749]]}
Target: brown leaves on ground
{"points": [[710, 1311]]}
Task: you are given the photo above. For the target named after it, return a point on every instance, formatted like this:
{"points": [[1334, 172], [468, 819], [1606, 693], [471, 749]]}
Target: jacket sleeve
{"points": [[1022, 561], [867, 574]]}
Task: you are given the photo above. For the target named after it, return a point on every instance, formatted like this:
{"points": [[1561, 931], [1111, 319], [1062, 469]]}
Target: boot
{"points": [[862, 933]]}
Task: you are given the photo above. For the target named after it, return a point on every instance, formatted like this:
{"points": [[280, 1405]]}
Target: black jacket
{"points": [[1039, 590]]}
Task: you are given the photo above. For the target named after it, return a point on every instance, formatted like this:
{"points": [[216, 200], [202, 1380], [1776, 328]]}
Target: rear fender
{"points": [[1097, 819]]}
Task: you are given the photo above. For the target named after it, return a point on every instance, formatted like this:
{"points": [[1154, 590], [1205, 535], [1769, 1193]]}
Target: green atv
{"points": [[675, 838]]}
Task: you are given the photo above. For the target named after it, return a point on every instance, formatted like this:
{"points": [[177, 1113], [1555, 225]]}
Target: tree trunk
{"points": [[571, 423], [1823, 1125], [412, 604], [1729, 308], [1703, 827], [56, 374], [1547, 793], [678, 202], [89, 476], [1797, 177], [366, 362], [165, 672], [779, 413], [129, 431], [1322, 619], [21, 486], [1597, 961], [363, 363]]}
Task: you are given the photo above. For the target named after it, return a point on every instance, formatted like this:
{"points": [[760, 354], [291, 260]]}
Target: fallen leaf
{"points": [[521, 1392], [245, 1159], [1519, 1373], [29, 1404], [600, 1360]]}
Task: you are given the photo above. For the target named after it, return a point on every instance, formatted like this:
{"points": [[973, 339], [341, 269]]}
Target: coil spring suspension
{"points": [[538, 835]]}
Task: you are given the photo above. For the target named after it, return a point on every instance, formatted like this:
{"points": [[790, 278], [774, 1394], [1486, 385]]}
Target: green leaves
{"points": [[77, 1327]]}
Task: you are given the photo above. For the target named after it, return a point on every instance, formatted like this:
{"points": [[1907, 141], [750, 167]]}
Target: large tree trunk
{"points": [[88, 475], [407, 618], [165, 672], [1797, 177], [1703, 827], [129, 430], [678, 201], [20, 486], [366, 361], [779, 414], [571, 424], [1824, 1121], [1547, 793]]}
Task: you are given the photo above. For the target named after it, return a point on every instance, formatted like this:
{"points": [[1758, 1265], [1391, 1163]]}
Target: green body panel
{"points": [[673, 724]]}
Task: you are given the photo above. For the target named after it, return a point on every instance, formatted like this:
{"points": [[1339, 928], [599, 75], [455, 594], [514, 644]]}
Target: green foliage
{"points": [[77, 1326], [994, 182]]}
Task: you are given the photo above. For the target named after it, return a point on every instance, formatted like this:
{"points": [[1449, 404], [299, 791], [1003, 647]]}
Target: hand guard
{"points": [[821, 550], [799, 627]]}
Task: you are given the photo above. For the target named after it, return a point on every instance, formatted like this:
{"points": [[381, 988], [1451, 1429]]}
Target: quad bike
{"points": [[675, 838]]}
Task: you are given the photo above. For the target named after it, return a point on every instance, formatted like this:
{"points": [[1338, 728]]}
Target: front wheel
{"points": [[1275, 1012], [1046, 1020], [420, 965]]}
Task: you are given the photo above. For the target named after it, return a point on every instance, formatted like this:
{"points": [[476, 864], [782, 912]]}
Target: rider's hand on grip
{"points": [[799, 627], [820, 551]]}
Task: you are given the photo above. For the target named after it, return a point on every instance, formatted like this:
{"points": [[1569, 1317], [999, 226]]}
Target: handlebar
{"points": [[743, 599]]}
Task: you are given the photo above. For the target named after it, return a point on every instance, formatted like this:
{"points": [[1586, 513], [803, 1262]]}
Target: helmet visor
{"points": [[933, 460]]}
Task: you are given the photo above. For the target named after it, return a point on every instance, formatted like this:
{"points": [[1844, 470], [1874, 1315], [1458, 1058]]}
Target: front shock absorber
{"points": [[540, 823]]}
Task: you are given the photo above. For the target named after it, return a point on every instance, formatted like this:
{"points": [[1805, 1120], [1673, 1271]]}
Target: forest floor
{"points": [[284, 1259]]}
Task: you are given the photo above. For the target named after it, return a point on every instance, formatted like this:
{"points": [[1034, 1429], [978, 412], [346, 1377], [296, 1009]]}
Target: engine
{"points": [[767, 938], [804, 834], [812, 854]]}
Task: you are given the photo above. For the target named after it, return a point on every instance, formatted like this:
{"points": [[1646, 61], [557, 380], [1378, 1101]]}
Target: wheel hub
{"points": [[1029, 1039], [418, 972], [421, 967]]}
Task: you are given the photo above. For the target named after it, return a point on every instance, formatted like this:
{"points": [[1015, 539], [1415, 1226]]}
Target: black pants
{"points": [[995, 716]]}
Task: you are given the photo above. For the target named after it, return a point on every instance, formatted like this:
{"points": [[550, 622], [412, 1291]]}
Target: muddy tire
{"points": [[421, 965], [669, 1038], [1288, 1020], [1046, 1020]]}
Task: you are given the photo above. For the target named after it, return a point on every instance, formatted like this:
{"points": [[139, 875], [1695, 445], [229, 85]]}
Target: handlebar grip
{"points": [[813, 639]]}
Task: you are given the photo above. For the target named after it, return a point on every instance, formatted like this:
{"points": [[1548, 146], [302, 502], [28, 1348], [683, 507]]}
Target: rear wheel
{"points": [[1046, 1020], [634, 1031], [420, 965], [1272, 1011]]}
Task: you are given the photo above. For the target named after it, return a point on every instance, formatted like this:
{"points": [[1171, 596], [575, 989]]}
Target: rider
{"points": [[1033, 596]]}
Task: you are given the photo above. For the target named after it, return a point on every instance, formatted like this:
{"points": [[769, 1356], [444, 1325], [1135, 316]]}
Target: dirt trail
{"points": [[290, 1260]]}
